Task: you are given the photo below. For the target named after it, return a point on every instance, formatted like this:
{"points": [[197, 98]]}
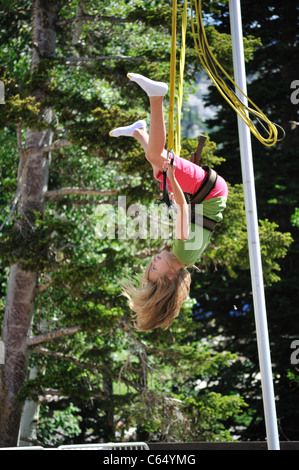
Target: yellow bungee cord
{"points": [[172, 77], [174, 136]]}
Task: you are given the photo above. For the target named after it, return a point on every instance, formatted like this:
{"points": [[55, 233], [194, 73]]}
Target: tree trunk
{"points": [[28, 434], [22, 285], [18, 315]]}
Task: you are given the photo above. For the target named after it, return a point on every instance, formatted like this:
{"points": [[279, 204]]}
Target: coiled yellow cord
{"points": [[214, 70]]}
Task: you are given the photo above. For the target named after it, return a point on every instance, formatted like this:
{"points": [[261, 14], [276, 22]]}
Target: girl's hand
{"points": [[182, 219], [170, 169], [171, 197]]}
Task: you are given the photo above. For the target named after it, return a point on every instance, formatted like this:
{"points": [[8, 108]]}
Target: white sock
{"points": [[150, 87], [127, 130]]}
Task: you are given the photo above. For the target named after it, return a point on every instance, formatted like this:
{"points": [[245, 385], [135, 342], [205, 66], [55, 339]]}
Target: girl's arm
{"points": [[182, 220]]}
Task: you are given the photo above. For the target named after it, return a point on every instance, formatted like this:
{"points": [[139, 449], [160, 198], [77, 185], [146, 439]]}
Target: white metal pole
{"points": [[253, 233]]}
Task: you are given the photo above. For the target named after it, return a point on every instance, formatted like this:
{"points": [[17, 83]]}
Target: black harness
{"points": [[208, 184]]}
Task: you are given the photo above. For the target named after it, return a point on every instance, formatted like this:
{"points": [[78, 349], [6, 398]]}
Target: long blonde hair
{"points": [[156, 304]]}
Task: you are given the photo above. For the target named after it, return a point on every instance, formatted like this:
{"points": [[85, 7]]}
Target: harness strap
{"points": [[206, 187], [204, 190], [166, 198], [208, 224], [195, 157]]}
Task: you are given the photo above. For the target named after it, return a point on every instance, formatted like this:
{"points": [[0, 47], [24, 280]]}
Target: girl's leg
{"points": [[156, 91], [142, 137], [156, 153], [154, 143]]}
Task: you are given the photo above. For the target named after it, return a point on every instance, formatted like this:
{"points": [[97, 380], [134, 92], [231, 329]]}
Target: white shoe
{"points": [[151, 87], [127, 130]]}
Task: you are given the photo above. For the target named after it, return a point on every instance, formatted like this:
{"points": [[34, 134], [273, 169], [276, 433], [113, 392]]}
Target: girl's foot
{"points": [[127, 130], [150, 87]]}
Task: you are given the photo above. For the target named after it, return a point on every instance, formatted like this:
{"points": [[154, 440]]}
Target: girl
{"points": [[165, 283]]}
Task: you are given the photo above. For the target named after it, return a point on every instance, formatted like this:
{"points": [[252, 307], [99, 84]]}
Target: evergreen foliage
{"points": [[192, 382]]}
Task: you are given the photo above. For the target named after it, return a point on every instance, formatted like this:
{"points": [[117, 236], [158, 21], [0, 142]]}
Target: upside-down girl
{"points": [[165, 284]]}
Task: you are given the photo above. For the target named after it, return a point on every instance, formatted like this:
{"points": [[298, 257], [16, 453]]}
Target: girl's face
{"points": [[159, 266]]}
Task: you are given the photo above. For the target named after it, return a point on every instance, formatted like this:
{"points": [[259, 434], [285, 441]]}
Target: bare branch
{"points": [[57, 144], [9, 216], [52, 335], [71, 359], [42, 287], [53, 395], [57, 193], [103, 57], [85, 17], [82, 202], [87, 366]]}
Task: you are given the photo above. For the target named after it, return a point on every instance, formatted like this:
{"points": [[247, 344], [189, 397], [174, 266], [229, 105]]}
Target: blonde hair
{"points": [[156, 304]]}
